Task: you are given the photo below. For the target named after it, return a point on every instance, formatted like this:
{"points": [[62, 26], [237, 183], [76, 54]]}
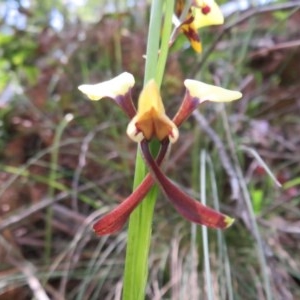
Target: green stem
{"points": [[166, 33], [153, 40], [140, 223]]}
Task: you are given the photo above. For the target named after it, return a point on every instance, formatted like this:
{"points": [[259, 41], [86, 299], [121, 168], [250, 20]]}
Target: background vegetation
{"points": [[64, 161]]}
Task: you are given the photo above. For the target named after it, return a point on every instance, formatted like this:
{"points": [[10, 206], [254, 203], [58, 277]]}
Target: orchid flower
{"points": [[150, 121], [201, 14]]}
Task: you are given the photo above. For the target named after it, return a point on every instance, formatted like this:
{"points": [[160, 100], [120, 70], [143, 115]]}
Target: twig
{"points": [[265, 50], [16, 259], [225, 160]]}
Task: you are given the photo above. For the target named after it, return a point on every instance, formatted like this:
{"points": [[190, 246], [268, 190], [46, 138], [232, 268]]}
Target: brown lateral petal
{"points": [[188, 105], [188, 207], [126, 104], [116, 219]]}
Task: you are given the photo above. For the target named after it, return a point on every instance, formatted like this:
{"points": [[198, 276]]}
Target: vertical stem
{"points": [[153, 40], [166, 33], [140, 223]]}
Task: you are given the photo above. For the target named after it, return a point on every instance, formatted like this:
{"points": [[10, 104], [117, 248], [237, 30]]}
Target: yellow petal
{"points": [[191, 32], [151, 120], [196, 45], [205, 92], [117, 86], [208, 13]]}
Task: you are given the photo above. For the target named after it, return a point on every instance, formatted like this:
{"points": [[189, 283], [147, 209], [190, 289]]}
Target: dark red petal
{"points": [[188, 105], [116, 219], [188, 207], [126, 104]]}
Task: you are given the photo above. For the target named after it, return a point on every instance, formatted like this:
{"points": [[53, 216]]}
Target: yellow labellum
{"points": [[151, 119]]}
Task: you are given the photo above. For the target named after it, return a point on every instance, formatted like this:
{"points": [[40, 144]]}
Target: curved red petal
{"points": [[188, 207], [116, 219]]}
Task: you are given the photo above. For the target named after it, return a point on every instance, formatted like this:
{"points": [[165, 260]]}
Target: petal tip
{"points": [[173, 137], [89, 91], [197, 46], [105, 226], [207, 92], [128, 78], [133, 133], [228, 221]]}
